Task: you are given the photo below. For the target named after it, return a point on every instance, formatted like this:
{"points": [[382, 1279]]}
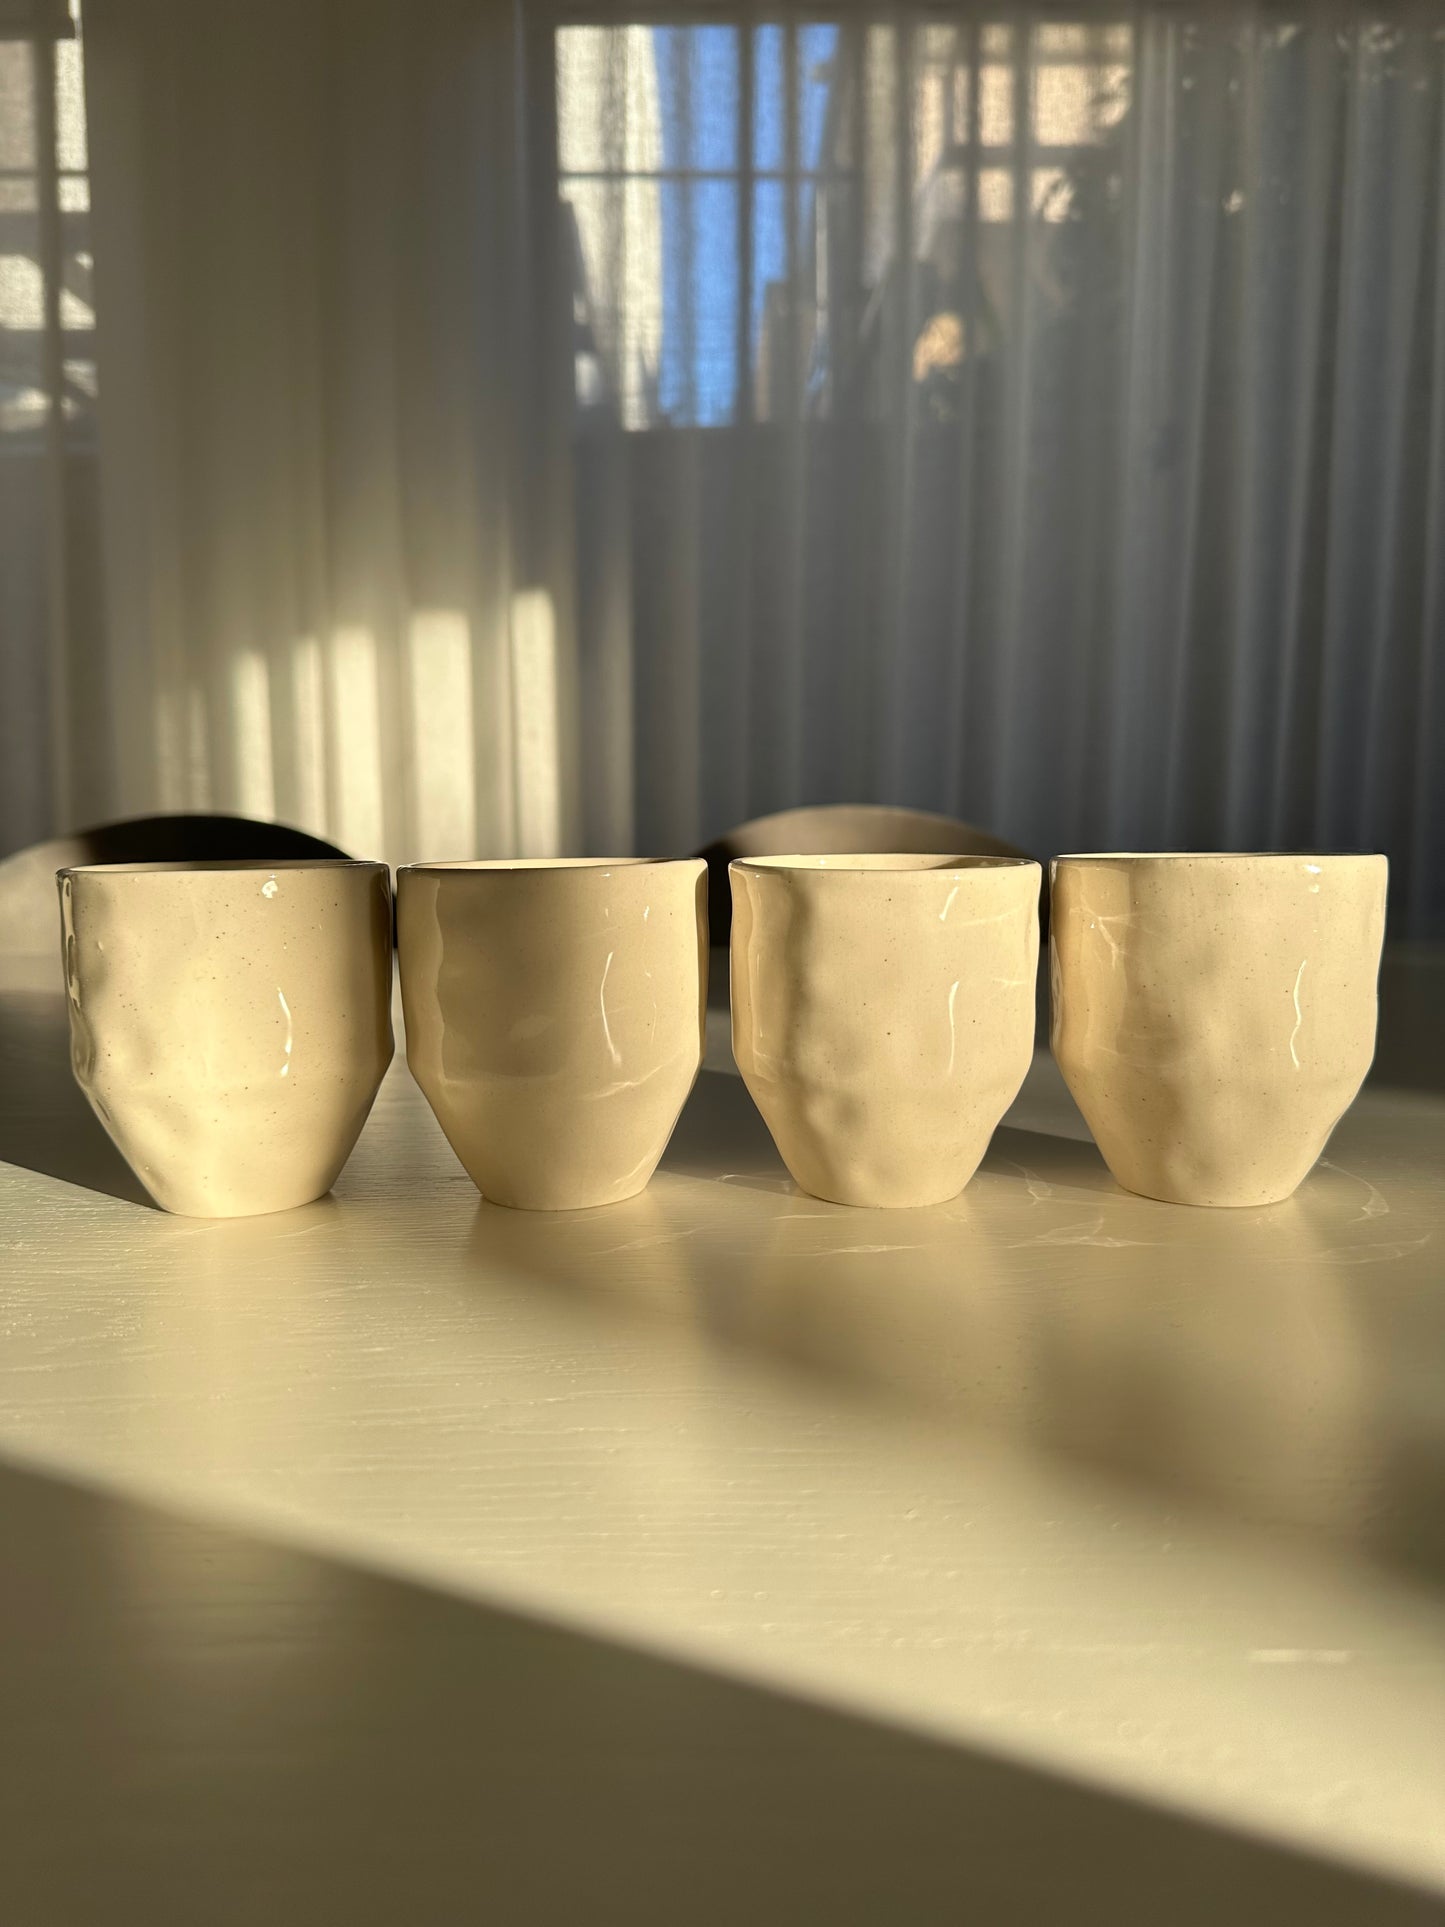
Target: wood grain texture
{"points": [[1144, 1497], [200, 1725]]}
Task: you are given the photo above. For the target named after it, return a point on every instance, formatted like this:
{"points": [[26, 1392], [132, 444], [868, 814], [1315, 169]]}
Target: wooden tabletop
{"points": [[1048, 1555]]}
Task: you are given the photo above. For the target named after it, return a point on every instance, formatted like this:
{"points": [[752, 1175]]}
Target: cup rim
{"points": [[546, 865], [220, 866], [882, 863], [1220, 856]]}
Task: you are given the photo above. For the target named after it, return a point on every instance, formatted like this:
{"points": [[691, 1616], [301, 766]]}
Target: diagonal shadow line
{"points": [[202, 1724]]}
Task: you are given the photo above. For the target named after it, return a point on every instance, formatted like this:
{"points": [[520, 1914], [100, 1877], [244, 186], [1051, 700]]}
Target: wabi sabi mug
{"points": [[230, 1022], [554, 1017], [1214, 1016], [883, 1014]]}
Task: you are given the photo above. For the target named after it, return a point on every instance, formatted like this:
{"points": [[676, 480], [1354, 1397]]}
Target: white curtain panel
{"points": [[522, 433], [308, 238]]}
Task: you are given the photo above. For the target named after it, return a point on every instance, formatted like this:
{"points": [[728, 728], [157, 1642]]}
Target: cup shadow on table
{"points": [[1263, 1395], [1231, 1360], [46, 1123], [246, 1730]]}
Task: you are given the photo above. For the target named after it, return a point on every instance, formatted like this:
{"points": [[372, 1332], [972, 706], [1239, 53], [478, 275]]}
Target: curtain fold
{"points": [[320, 481], [519, 436]]}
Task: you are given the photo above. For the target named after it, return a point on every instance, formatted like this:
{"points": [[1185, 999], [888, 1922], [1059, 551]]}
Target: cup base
{"points": [[1166, 1194], [885, 1197], [857, 1203], [555, 1199], [203, 1209]]}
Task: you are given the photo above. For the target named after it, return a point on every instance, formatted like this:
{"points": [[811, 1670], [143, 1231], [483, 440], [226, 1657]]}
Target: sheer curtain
{"points": [[524, 432], [1042, 422], [319, 456], [52, 734]]}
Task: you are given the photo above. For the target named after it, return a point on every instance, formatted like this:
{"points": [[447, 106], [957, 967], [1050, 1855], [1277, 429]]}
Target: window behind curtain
{"points": [[48, 531], [745, 201], [1039, 420], [1072, 397]]}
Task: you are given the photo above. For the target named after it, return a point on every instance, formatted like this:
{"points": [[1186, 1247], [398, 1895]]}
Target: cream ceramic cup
{"points": [[230, 1022], [883, 1014], [554, 1017], [1214, 1016]]}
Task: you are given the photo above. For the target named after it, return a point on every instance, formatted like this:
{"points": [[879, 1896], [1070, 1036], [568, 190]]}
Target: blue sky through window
{"points": [[699, 76]]}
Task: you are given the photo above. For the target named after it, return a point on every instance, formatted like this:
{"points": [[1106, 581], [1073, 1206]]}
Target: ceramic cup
{"points": [[554, 1017], [1214, 1016], [230, 1022], [883, 1014]]}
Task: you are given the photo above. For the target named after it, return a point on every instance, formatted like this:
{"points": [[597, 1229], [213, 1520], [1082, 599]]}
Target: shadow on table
{"points": [[46, 1124], [1269, 1365], [202, 1725]]}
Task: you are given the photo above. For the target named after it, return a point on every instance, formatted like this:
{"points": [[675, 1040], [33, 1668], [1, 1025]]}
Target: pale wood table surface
{"points": [[1051, 1555]]}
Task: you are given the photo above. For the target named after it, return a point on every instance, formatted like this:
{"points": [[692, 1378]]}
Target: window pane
{"points": [[700, 130], [715, 301], [770, 114]]}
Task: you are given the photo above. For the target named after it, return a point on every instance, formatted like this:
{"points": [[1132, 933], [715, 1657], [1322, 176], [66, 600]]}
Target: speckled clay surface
{"points": [[1214, 1016], [883, 1014], [554, 1018], [230, 1023]]}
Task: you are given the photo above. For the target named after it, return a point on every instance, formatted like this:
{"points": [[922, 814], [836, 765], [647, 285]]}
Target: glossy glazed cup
{"points": [[1214, 1016], [883, 1014], [230, 1022], [554, 1017]]}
